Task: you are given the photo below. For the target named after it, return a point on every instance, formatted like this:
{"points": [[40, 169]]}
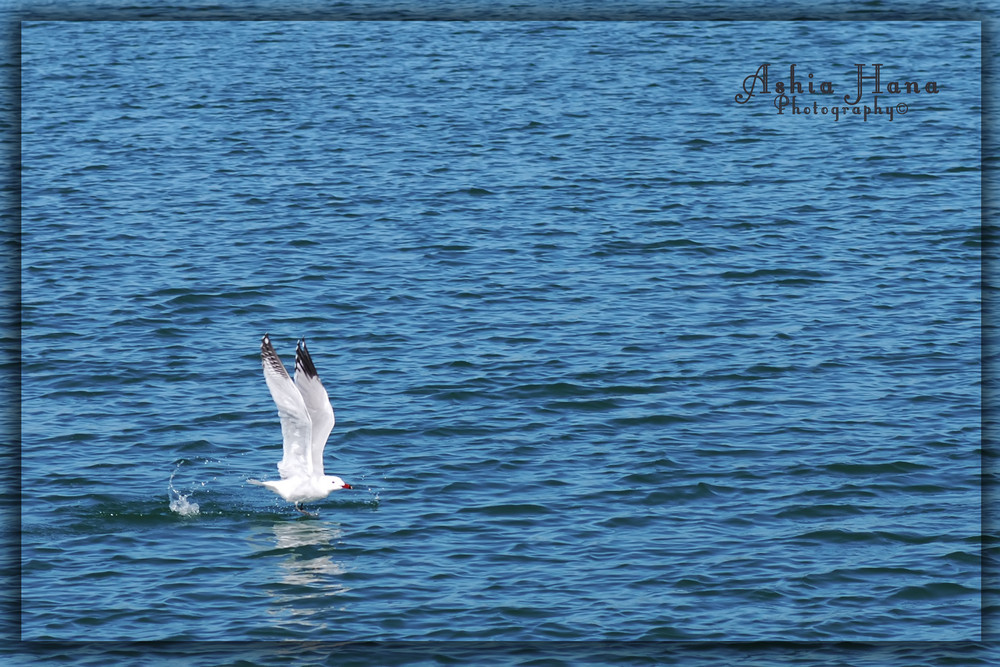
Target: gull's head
{"points": [[337, 483]]}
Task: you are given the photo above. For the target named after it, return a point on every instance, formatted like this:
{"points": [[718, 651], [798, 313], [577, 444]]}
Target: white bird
{"points": [[306, 421]]}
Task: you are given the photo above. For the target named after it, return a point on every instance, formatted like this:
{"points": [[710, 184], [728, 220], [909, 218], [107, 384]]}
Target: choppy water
{"points": [[613, 357]]}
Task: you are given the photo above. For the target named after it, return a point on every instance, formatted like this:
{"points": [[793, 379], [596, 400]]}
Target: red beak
{"points": [[348, 486]]}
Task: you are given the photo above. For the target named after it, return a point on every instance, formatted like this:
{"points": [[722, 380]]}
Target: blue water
{"points": [[613, 357]]}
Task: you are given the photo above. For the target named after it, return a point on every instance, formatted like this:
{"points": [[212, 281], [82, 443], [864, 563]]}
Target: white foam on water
{"points": [[178, 501]]}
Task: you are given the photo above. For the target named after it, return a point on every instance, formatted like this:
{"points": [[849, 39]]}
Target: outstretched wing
{"points": [[317, 403], [296, 425]]}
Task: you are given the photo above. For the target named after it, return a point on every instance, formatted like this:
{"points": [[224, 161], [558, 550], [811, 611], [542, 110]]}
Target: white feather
{"points": [[317, 403]]}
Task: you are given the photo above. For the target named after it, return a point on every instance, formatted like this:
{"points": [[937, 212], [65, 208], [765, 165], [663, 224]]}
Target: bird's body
{"points": [[304, 489], [306, 421]]}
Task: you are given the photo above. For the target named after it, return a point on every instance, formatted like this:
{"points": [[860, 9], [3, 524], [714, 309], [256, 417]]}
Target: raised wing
{"points": [[296, 425], [317, 403]]}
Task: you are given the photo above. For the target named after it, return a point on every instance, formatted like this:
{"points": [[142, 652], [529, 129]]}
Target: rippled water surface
{"points": [[612, 356]]}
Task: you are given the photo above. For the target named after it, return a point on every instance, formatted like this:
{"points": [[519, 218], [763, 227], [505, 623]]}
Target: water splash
{"points": [[178, 501], [372, 491]]}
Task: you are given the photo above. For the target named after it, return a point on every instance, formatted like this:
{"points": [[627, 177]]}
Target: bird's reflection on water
{"points": [[308, 577]]}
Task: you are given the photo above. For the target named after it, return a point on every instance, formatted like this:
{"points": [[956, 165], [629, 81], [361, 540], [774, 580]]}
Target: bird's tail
{"points": [[256, 481]]}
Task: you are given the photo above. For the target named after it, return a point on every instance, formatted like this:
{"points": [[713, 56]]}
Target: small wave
{"points": [[851, 468], [471, 191], [935, 590], [843, 536], [823, 510], [907, 174], [652, 420], [507, 509], [777, 273]]}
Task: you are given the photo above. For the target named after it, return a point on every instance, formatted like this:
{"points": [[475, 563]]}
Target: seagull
{"points": [[306, 421]]}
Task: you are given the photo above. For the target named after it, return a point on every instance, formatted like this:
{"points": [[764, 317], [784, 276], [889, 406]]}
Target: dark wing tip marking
{"points": [[303, 361], [269, 358]]}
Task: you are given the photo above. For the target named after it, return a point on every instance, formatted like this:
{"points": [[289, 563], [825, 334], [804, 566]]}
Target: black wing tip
{"points": [[269, 358], [303, 360]]}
